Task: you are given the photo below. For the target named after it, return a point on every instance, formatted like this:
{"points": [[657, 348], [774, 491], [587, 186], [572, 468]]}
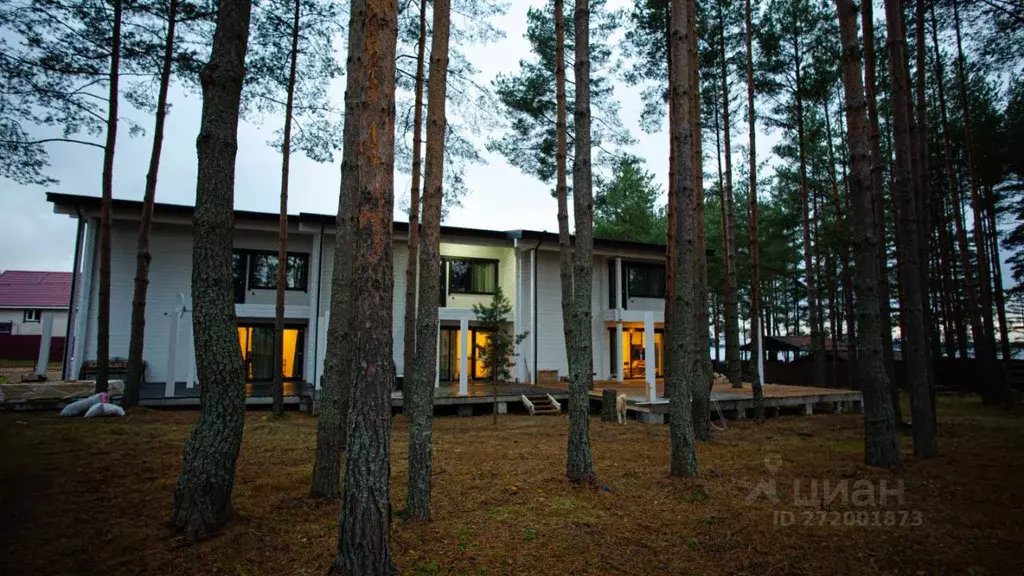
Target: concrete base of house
{"points": [[650, 418], [502, 407]]}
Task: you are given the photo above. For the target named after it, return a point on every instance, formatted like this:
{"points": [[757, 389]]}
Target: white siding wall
{"points": [[646, 304], [550, 337], [20, 327], [169, 274]]}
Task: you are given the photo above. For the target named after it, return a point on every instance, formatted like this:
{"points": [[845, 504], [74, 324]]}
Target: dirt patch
{"points": [[93, 497]]}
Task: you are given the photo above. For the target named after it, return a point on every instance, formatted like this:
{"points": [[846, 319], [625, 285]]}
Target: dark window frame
{"points": [[647, 269], [6, 327], [38, 313], [300, 355], [250, 269], [454, 289]]}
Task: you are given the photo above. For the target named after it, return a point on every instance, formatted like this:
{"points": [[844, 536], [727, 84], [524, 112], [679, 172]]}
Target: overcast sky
{"points": [[500, 196]]}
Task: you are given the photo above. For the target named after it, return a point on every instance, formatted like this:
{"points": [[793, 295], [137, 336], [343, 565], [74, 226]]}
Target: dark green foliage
{"points": [[626, 207], [316, 117], [528, 97]]}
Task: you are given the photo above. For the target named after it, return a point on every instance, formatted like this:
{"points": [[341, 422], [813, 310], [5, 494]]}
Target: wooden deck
{"points": [[482, 393], [729, 402]]}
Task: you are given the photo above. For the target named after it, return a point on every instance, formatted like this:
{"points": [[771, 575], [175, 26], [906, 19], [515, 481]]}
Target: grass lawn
{"points": [[93, 497]]}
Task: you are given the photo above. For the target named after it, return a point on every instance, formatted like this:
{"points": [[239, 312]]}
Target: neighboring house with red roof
{"points": [[26, 296]]}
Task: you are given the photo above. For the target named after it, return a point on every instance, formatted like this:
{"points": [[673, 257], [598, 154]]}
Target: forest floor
{"points": [[93, 497]]}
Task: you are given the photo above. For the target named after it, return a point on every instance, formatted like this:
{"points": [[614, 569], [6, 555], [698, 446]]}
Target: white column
{"points": [[619, 352], [84, 298], [312, 330], [437, 361], [172, 346], [533, 313], [191, 382], [517, 317], [44, 342], [652, 391], [464, 356], [618, 287]]}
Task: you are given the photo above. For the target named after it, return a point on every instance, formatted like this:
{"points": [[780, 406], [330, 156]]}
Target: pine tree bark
{"points": [[409, 355], [202, 496], [995, 390], [817, 338], [561, 185], [878, 206], [282, 224], [684, 358], [915, 350], [363, 534], [106, 202], [732, 316], [701, 392], [755, 256], [333, 421], [920, 158], [421, 393], [136, 341], [881, 446], [579, 460]]}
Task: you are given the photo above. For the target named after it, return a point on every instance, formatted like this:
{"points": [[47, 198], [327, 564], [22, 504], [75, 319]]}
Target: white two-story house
{"points": [[628, 299]]}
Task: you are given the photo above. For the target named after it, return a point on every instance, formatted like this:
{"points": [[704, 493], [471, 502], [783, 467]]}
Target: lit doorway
{"points": [[634, 352], [451, 350], [257, 342]]}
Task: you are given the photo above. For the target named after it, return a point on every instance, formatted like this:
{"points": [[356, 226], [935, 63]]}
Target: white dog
{"points": [[620, 408]]}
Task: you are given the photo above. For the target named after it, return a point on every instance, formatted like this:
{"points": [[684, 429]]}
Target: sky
{"points": [[500, 197]]}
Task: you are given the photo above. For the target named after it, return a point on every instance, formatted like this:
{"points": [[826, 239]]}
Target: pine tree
{"points": [[364, 529], [202, 496], [421, 393], [881, 447]]}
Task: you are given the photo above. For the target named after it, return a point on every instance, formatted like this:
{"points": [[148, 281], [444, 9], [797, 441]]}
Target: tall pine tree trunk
{"points": [[684, 357], [915, 350], [332, 424], [364, 531], [282, 223], [755, 256], [878, 206], [136, 368], [881, 447], [701, 391], [995, 390], [817, 339], [106, 219], [421, 392], [202, 496], [409, 354], [732, 316], [579, 461], [561, 185], [919, 130]]}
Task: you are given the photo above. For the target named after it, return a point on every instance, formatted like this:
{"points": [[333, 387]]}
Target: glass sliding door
{"points": [[257, 343]]}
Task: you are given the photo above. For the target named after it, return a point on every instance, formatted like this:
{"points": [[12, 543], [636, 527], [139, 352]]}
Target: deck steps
{"points": [[543, 405]]}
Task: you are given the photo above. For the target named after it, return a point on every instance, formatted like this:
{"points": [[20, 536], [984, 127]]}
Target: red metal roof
{"points": [[25, 289]]}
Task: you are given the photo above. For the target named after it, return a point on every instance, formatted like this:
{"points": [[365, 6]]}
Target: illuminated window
{"points": [[257, 343]]}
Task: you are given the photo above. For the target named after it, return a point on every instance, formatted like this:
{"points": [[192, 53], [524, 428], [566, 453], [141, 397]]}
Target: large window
{"points": [[646, 280], [257, 344], [6, 327], [262, 270], [467, 276]]}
